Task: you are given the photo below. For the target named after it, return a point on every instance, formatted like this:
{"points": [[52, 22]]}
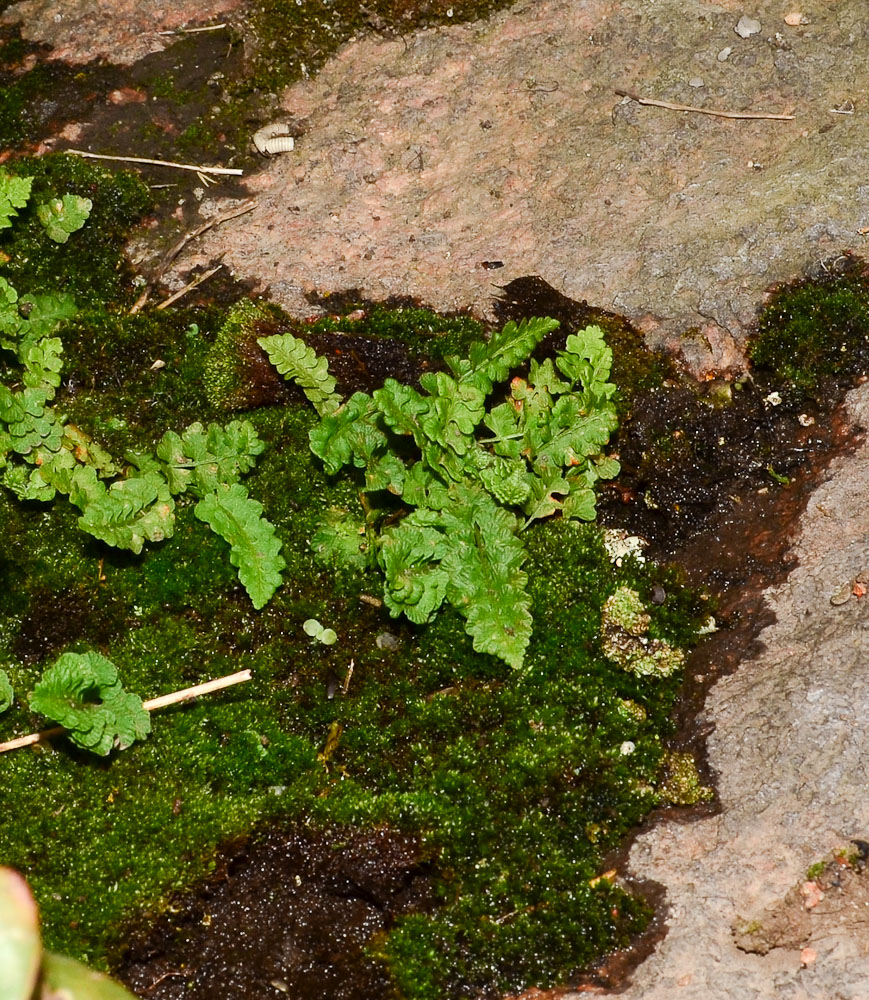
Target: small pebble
{"points": [[695, 81], [747, 26], [724, 54], [386, 640]]}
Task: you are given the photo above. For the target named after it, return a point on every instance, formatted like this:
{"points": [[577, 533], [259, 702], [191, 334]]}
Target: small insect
{"points": [[273, 139]]}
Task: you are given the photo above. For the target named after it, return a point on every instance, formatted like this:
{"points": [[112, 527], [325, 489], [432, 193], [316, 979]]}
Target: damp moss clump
{"points": [[814, 331], [517, 782]]}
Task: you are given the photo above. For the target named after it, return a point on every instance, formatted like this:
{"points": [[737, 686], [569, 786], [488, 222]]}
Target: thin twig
{"points": [[192, 31], [158, 163], [704, 111], [141, 301], [188, 287], [167, 699], [215, 220]]}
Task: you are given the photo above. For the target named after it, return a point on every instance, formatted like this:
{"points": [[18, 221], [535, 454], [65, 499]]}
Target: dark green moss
{"points": [[128, 379], [815, 330], [91, 265], [425, 333], [24, 111]]}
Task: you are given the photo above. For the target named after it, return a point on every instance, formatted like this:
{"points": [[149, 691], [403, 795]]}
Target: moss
{"points": [[237, 373], [815, 870], [90, 266], [425, 333], [815, 330], [518, 782], [22, 114]]}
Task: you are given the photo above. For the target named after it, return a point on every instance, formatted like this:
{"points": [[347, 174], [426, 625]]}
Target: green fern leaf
{"points": [[485, 579], [10, 318], [349, 435], [81, 691], [255, 551], [341, 540], [588, 359], [201, 459], [45, 313], [11, 408], [410, 554], [7, 695], [491, 361], [61, 217], [295, 360], [130, 512], [402, 408], [38, 426], [453, 413], [43, 361], [14, 194]]}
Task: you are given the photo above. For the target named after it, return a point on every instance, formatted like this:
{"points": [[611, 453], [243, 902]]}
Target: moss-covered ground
{"points": [[518, 783], [814, 332]]}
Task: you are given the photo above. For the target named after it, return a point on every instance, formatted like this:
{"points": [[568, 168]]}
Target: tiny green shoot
{"points": [[316, 631]]}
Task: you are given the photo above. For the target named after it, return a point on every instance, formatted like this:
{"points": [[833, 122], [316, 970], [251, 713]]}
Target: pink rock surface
{"points": [[505, 140], [119, 31]]}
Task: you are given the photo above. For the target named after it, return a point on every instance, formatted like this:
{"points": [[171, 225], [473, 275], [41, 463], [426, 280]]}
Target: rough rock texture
{"points": [[119, 31], [790, 749], [505, 141]]}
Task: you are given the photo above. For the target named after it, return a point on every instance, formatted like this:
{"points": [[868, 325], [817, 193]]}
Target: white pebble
{"points": [[747, 26]]}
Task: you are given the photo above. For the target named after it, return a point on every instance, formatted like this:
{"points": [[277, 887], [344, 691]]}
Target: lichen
{"points": [[624, 627], [681, 785]]}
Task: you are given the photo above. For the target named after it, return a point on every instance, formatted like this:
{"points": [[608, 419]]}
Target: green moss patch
{"points": [[516, 782], [814, 331]]}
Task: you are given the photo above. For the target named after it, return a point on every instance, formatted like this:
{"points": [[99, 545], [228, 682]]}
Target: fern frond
{"points": [[295, 360], [490, 361], [130, 512], [82, 692], [200, 459], [254, 549]]}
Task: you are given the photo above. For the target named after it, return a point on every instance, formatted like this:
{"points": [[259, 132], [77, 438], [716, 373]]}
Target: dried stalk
{"points": [[167, 699], [704, 111], [157, 163], [188, 287]]}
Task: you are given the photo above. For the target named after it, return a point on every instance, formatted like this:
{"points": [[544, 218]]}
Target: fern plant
{"points": [[448, 481], [124, 504], [82, 692]]}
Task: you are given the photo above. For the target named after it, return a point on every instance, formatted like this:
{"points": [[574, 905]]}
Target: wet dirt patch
{"points": [[290, 913]]}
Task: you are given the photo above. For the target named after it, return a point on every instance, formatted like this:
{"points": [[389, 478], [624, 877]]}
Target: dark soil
{"points": [[291, 912]]}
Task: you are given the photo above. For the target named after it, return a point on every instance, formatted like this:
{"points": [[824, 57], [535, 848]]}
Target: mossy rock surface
{"points": [[515, 782]]}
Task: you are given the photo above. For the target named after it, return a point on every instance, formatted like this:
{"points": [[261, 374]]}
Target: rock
{"points": [[747, 26]]}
